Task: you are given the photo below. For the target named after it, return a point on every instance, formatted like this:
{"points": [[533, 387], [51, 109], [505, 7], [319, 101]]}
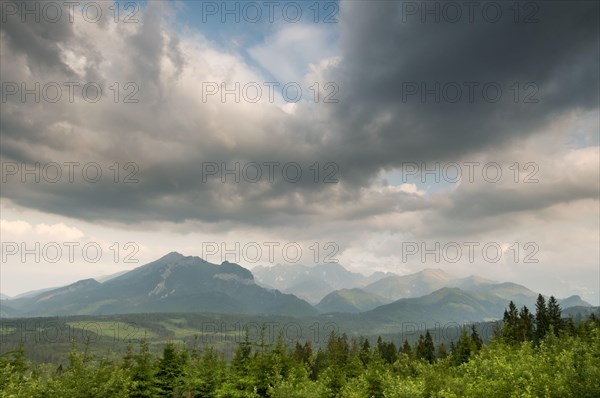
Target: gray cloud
{"points": [[169, 133], [559, 54]]}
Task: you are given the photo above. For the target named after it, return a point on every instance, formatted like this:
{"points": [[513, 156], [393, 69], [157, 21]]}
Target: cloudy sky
{"points": [[383, 135]]}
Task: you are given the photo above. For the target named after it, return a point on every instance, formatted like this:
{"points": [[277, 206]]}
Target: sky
{"points": [[386, 136]]}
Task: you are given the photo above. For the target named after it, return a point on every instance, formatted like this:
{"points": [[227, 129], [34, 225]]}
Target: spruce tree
{"points": [[143, 372], [406, 348], [571, 328], [425, 348], [463, 349], [555, 315], [442, 352], [365, 352], [170, 370], [510, 324], [525, 329], [477, 341], [542, 322]]}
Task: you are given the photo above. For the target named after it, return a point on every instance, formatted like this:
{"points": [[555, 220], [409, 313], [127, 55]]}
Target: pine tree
{"points": [[337, 349], [374, 379], [525, 329], [406, 348], [452, 347], [570, 327], [240, 363], [264, 367], [463, 348], [442, 352], [477, 341], [425, 348], [303, 353], [542, 323], [337, 354], [170, 370], [210, 374], [389, 352], [365, 352], [354, 366], [319, 365], [143, 372], [510, 324], [555, 315], [386, 350], [379, 346]]}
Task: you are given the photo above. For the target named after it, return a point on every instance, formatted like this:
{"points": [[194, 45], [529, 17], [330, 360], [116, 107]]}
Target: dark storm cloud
{"points": [[170, 135], [39, 41], [496, 209], [384, 50]]}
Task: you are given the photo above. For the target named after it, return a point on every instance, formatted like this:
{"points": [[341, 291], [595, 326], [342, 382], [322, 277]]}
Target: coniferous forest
{"points": [[536, 354]]}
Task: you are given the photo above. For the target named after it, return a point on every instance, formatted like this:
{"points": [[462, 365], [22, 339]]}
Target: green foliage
{"points": [[542, 321], [425, 348], [563, 363], [554, 316], [169, 376], [526, 325], [387, 351]]}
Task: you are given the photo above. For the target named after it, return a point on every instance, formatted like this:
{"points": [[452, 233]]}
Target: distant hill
{"points": [[173, 283], [414, 285], [573, 301], [350, 301], [312, 283], [33, 292], [7, 311], [4, 296], [442, 306], [519, 294], [310, 290], [577, 312]]}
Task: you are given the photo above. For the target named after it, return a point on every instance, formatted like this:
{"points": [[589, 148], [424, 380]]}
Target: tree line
{"points": [[531, 355]]}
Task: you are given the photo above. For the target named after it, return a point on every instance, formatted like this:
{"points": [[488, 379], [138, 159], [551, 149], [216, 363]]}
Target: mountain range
{"points": [[173, 283], [178, 283], [312, 283], [345, 292]]}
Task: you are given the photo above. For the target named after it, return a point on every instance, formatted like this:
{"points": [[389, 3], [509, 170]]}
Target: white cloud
{"points": [[289, 52]]}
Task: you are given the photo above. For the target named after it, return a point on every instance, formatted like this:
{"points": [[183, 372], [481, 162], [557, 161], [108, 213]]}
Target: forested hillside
{"points": [[531, 355]]}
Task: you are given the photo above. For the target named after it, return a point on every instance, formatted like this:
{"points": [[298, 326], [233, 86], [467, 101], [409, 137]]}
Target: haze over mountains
{"points": [[177, 283], [343, 291], [312, 283]]}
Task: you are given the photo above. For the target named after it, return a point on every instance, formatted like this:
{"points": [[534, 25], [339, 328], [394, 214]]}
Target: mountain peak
{"points": [[172, 256]]}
